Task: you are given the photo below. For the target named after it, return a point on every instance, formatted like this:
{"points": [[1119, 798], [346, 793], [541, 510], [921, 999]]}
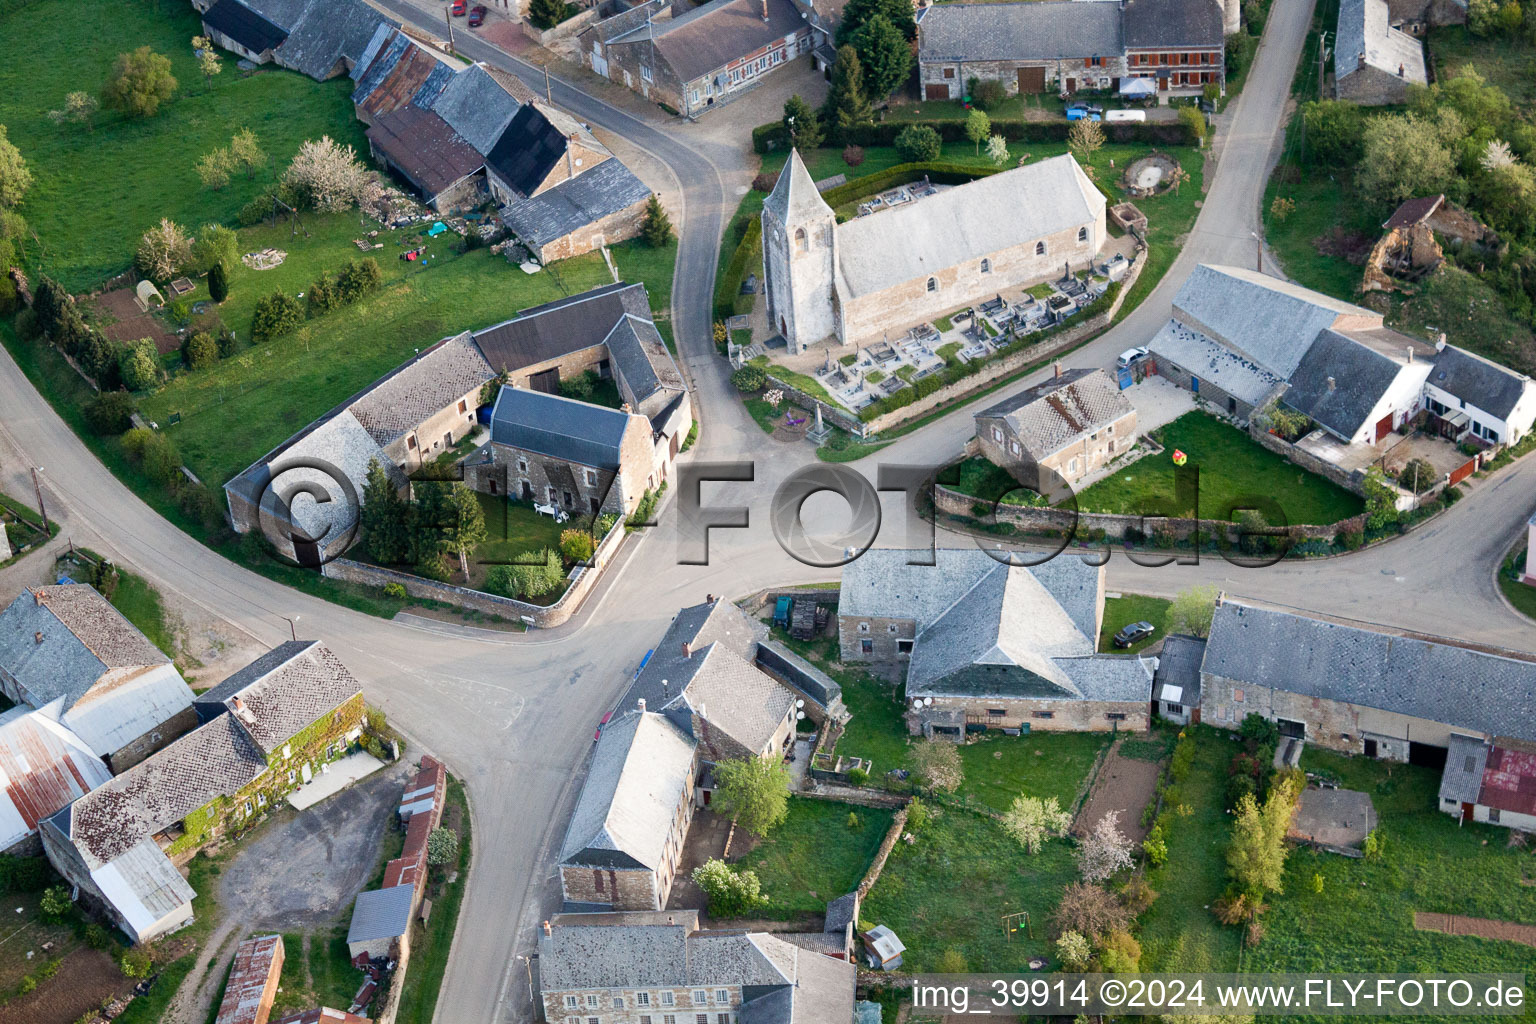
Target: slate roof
{"points": [[1053, 414], [1365, 30], [559, 427], [1462, 778], [1481, 382], [841, 912], [719, 623], [381, 914], [641, 359], [606, 189], [1486, 689], [327, 33], [541, 333], [510, 83], [1360, 379], [1153, 24], [283, 692], [477, 106], [1178, 665], [245, 26], [527, 150], [1212, 361], [964, 223], [627, 805], [795, 198], [736, 698], [1413, 211], [424, 148], [419, 389], [1038, 30], [1241, 309], [710, 36]]}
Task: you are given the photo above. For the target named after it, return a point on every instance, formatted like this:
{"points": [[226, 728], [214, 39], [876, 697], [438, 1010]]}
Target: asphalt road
{"points": [[513, 716]]}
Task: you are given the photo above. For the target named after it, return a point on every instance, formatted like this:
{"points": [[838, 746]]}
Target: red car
{"points": [[458, 8], [599, 733], [476, 16]]}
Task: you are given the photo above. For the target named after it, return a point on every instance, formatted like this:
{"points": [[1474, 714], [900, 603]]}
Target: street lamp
{"points": [[1259, 249], [293, 630]]}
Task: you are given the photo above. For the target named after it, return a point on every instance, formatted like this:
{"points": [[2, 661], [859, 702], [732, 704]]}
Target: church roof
{"points": [[795, 197]]}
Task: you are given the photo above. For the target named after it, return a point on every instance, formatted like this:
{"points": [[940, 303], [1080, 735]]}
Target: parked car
{"points": [[476, 16], [1130, 356], [1126, 115], [1206, 106], [1078, 113], [458, 8], [1133, 633], [599, 733]]}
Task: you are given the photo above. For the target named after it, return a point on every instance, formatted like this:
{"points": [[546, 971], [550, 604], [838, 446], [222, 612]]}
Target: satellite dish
{"points": [[799, 703], [927, 702], [799, 715]]}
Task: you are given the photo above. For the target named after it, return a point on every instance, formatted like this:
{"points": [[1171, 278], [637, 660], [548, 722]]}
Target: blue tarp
{"points": [[437, 229]]}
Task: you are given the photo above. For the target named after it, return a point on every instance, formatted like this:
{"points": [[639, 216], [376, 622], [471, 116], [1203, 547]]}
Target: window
{"points": [[666, 1000], [949, 72], [863, 627], [290, 776], [597, 879], [866, 647], [1111, 428], [996, 712], [463, 405], [891, 628], [669, 1018], [986, 266], [1072, 466], [1237, 696], [410, 442], [1174, 709], [1082, 234], [701, 1018], [247, 807], [722, 995], [591, 478], [645, 73], [933, 284], [261, 799], [997, 434], [1039, 248], [722, 1018], [645, 1018], [1045, 714], [572, 1002], [592, 999], [800, 240], [701, 996], [642, 999], [903, 646], [1493, 815], [522, 465], [1116, 716]]}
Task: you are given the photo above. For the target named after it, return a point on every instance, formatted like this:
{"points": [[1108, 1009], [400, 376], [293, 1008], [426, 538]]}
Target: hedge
{"points": [[773, 136], [728, 298]]}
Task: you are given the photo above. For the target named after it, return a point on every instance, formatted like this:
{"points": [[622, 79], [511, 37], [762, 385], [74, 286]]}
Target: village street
{"points": [[513, 715]]}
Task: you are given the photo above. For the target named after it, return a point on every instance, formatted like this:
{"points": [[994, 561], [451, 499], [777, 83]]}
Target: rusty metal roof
{"points": [[401, 73], [424, 148], [43, 767], [1509, 780], [252, 981]]}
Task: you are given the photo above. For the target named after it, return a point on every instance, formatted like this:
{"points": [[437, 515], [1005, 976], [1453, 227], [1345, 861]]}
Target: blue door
{"points": [[1194, 384]]}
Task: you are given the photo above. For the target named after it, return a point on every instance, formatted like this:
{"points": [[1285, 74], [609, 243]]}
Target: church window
{"points": [[1082, 234], [986, 266], [1039, 248], [800, 244], [933, 284]]}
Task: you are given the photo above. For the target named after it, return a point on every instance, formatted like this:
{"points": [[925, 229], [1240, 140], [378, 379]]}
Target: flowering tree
{"points": [[328, 175], [1033, 821], [163, 251], [773, 397], [1105, 850]]}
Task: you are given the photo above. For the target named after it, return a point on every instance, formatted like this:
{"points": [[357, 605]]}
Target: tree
{"points": [[1194, 123], [325, 175], [163, 251], [1073, 951], [216, 246], [1084, 138], [1331, 131], [55, 903], [752, 792], [139, 83], [200, 351], [1105, 850], [1034, 822], [731, 893], [1090, 910], [358, 278], [918, 142], [247, 152], [218, 283], [1417, 475], [885, 55], [15, 179], [997, 150], [275, 315], [547, 14], [466, 524], [79, 108], [1176, 178], [749, 379], [986, 93], [978, 126], [1255, 860], [139, 364], [1192, 610], [856, 12], [9, 300], [1380, 500], [847, 106], [442, 847], [802, 123], [657, 227], [215, 168], [109, 413], [938, 765], [1403, 156], [207, 59], [1507, 194], [136, 962], [385, 518], [321, 297], [1281, 208]]}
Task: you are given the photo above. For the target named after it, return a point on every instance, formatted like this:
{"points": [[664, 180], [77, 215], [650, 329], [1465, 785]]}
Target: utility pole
{"points": [[448, 17], [40, 508], [1258, 248], [548, 98], [1322, 59]]}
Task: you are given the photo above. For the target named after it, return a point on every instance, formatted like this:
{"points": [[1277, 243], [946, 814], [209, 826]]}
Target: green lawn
{"points": [[999, 768], [1521, 595], [140, 604], [430, 944], [1234, 470], [814, 856], [1509, 63], [876, 730], [951, 887], [95, 192], [316, 972], [1129, 608], [513, 528], [1471, 313], [1326, 204]]}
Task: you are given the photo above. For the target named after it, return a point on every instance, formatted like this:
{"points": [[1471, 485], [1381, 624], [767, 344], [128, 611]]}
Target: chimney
{"points": [[37, 595], [1330, 383], [37, 637], [765, 12], [1440, 342], [1057, 369], [547, 929], [640, 704], [686, 652], [239, 704]]}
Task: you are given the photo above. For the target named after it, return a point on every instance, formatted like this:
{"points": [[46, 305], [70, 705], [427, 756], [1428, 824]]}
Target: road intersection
{"points": [[513, 714]]}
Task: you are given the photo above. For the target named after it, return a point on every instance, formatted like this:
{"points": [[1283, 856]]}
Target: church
{"points": [[885, 272]]}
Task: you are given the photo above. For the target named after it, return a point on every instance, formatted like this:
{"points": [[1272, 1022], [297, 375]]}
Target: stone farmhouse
{"points": [[267, 729], [612, 971], [1362, 689], [43, 767], [252, 984], [425, 406], [66, 651], [1063, 45], [318, 38], [987, 645], [1068, 426], [713, 689], [1241, 339], [1375, 60], [690, 58], [885, 272]]}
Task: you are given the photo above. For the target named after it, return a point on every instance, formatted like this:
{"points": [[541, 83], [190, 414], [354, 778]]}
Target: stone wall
{"points": [[1372, 86], [534, 616], [882, 635], [932, 72], [568, 27], [623, 888], [1041, 715], [1351, 480]]}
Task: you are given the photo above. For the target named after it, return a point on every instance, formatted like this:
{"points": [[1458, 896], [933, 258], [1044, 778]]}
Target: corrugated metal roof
{"points": [[43, 767], [144, 886], [258, 962], [424, 148], [381, 914]]}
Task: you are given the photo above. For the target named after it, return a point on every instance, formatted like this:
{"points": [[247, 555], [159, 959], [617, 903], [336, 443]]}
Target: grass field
{"points": [[95, 192], [1129, 608], [513, 528], [316, 972], [1233, 471], [999, 768], [815, 856], [1521, 595], [140, 604]]}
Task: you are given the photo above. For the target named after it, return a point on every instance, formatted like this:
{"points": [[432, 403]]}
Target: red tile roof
{"points": [[1509, 780]]}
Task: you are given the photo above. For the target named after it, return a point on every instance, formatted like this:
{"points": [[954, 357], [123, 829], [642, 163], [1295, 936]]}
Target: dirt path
{"points": [[1123, 784], [1482, 927], [193, 999]]}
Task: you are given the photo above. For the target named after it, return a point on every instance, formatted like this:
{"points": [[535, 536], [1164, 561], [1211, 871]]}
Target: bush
{"points": [[97, 937], [139, 364], [857, 777], [853, 155], [765, 181], [988, 93], [749, 379], [918, 142], [55, 904], [154, 453], [200, 351], [581, 386], [396, 591], [275, 315], [109, 413], [358, 278], [442, 847], [202, 504], [322, 296], [853, 820], [951, 961], [540, 574], [577, 545], [1417, 475], [728, 298], [135, 963], [731, 893]]}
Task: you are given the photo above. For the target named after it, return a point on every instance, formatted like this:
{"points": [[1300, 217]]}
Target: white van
{"points": [[1125, 115]]}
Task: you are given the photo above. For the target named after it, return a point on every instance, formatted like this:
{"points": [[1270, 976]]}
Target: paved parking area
{"points": [[1157, 401]]}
